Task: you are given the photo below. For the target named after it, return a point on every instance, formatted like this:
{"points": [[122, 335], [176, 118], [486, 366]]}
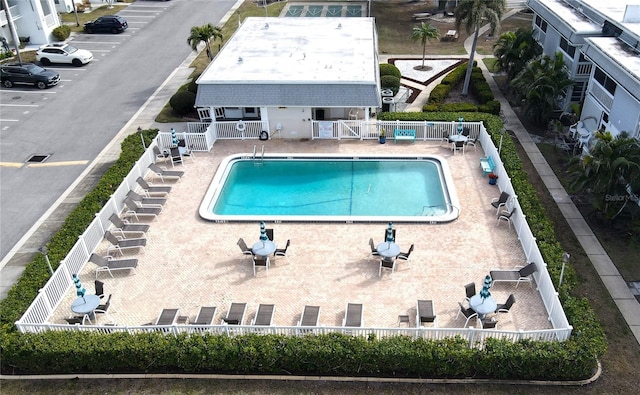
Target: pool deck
{"points": [[190, 262]]}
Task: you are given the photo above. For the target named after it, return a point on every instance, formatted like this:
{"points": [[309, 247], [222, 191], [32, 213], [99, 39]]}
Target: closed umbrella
{"points": [[484, 292], [80, 291], [460, 128], [263, 232], [174, 137], [390, 238]]}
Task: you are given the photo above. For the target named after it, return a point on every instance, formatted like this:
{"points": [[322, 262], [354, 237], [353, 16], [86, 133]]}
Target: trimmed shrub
{"points": [[183, 102], [459, 107], [390, 82], [491, 107], [61, 32], [438, 94], [431, 107], [389, 69], [456, 75]]}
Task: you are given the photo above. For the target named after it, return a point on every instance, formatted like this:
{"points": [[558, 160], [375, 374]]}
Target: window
{"points": [[542, 24], [567, 48], [46, 10], [604, 80]]}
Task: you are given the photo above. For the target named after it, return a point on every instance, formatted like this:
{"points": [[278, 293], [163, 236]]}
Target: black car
{"points": [[29, 74], [107, 24]]}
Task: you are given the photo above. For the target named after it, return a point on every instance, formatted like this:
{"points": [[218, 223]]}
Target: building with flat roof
{"points": [[287, 72], [600, 43]]}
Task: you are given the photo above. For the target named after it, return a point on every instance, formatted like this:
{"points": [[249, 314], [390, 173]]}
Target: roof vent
{"points": [[266, 26], [239, 59], [339, 25], [37, 158]]}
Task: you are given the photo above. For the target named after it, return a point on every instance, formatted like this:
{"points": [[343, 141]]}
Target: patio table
{"points": [[264, 248], [388, 250], [482, 306], [86, 305]]}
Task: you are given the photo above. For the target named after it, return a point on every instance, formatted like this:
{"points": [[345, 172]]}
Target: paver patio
{"points": [[190, 262]]}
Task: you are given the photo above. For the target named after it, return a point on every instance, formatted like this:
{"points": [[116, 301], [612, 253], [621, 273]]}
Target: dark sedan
{"points": [[28, 74], [106, 24]]}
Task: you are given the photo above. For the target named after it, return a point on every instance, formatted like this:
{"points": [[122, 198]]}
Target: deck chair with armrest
{"points": [[506, 216], [469, 290], [516, 275], [264, 315], [99, 287], [146, 201], [123, 226], [103, 308], [149, 189], [166, 174], [187, 151], [77, 319], [235, 315], [500, 201], [468, 314], [205, 316], [269, 232], [176, 157], [426, 312], [353, 315], [387, 264], [374, 250], [405, 255], [167, 317], [310, 316], [243, 247], [282, 251], [506, 306], [160, 155], [108, 265], [261, 261], [120, 245]]}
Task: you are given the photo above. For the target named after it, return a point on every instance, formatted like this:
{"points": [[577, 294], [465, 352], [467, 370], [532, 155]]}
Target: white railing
{"points": [[584, 68], [15, 15], [45, 303], [602, 95]]}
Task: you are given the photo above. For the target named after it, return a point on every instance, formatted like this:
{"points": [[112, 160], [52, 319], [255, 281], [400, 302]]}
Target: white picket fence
{"points": [[201, 137]]}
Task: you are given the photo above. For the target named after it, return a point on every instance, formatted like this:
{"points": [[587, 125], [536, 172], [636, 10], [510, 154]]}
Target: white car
{"points": [[63, 53]]}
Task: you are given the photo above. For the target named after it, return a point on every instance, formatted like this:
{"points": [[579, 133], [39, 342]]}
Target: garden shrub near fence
{"points": [[328, 355]]}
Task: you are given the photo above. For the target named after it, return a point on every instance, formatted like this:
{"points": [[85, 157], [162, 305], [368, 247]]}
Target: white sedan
{"points": [[63, 53]]}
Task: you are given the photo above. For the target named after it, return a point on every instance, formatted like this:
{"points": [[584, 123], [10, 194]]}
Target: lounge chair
{"points": [[175, 174], [108, 265], [136, 210], [310, 316], [516, 275], [426, 313], [353, 315], [123, 226], [146, 201], [261, 261], [405, 255], [167, 317], [153, 189], [123, 244], [264, 315], [205, 316], [468, 313], [235, 315], [500, 201], [387, 264]]}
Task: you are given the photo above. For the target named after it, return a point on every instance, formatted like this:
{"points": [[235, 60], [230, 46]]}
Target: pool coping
{"points": [[205, 209]]}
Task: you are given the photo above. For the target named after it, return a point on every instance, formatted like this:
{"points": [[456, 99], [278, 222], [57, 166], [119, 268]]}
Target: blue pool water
{"points": [[329, 188]]}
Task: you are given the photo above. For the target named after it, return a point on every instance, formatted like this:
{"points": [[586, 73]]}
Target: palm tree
{"points": [[424, 32], [541, 85], [473, 13], [610, 174], [514, 50], [204, 33]]}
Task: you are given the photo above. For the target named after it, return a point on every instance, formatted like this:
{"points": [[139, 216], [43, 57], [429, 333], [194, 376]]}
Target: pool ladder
{"points": [[255, 156]]}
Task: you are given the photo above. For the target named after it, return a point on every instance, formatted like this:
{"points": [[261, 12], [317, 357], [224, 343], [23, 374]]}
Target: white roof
{"points": [[578, 22], [286, 50], [614, 10], [619, 53]]}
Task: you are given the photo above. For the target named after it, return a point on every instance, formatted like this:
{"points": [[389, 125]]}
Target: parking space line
{"points": [[11, 164], [9, 120], [55, 164], [12, 91], [18, 105], [96, 42]]}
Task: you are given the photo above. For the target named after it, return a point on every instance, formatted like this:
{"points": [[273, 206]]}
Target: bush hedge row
{"points": [[333, 354]]}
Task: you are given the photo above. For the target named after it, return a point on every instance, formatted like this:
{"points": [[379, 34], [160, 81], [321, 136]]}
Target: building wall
{"points": [[295, 121]]}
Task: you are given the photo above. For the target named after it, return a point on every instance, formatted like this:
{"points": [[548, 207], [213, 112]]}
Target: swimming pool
{"points": [[338, 188]]}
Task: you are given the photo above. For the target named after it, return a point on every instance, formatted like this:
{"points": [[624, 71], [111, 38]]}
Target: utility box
{"points": [[387, 104]]}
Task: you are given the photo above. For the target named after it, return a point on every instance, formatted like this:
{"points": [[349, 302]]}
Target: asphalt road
{"points": [[74, 121]]}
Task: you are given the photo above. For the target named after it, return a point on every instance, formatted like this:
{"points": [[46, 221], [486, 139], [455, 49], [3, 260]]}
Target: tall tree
{"points": [[541, 85], [514, 50], [205, 33], [610, 174], [423, 33], [473, 14]]}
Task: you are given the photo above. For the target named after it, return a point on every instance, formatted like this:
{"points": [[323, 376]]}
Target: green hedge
{"points": [[389, 69], [332, 354], [478, 87]]}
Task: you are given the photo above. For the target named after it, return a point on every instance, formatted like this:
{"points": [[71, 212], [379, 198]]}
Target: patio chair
{"points": [[445, 137], [468, 313], [235, 315], [353, 315], [506, 216], [282, 251], [205, 316], [488, 323], [310, 316], [153, 189], [186, 151], [405, 255], [167, 317], [123, 244], [160, 155], [500, 201], [458, 146], [99, 287], [77, 320], [374, 250], [426, 312], [387, 264], [103, 308], [506, 306], [470, 291], [261, 261], [176, 157], [243, 247], [516, 275], [146, 201], [123, 226], [269, 232], [173, 174], [466, 132], [472, 142], [264, 315], [108, 264]]}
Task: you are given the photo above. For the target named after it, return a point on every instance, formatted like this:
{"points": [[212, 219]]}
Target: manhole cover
{"points": [[37, 158]]}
